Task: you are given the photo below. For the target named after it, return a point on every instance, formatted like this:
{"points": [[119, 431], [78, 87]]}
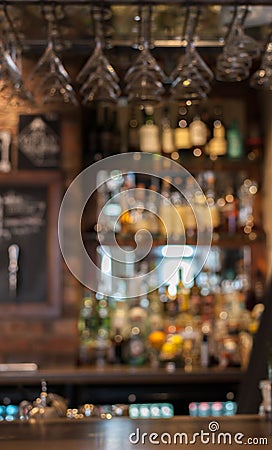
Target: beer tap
{"points": [[13, 251]]}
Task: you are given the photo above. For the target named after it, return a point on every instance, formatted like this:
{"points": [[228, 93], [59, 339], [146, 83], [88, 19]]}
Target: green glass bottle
{"points": [[234, 141]]}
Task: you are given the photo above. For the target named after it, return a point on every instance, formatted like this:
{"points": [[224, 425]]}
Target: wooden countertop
{"points": [[124, 433], [120, 375]]}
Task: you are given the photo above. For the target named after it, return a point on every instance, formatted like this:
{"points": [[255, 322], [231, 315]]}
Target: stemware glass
{"points": [[262, 78], [51, 82], [191, 78], [235, 61], [145, 78], [99, 80], [13, 91]]}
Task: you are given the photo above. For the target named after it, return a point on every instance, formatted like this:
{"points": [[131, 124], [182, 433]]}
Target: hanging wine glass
{"points": [[144, 80], [262, 78], [50, 80], [192, 76], [13, 91], [235, 61], [98, 77]]}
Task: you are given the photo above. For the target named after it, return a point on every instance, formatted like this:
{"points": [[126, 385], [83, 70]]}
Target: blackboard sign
{"points": [[23, 224], [39, 142], [29, 251]]}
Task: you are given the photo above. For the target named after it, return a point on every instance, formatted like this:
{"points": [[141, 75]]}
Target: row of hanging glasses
{"points": [[145, 81]]}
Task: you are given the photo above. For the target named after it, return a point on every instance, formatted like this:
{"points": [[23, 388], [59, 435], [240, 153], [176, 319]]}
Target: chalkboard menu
{"points": [[29, 251], [39, 142], [23, 229]]}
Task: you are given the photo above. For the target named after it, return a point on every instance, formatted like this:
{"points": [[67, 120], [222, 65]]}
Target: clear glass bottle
{"points": [[198, 135], [149, 133], [182, 137]]}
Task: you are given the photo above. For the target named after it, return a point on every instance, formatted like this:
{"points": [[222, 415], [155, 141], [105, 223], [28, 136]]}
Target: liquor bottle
{"points": [[133, 133], [111, 211], [217, 146], [167, 138], [195, 299], [204, 350], [165, 209], [183, 294], [211, 200], [172, 305], [152, 209], [230, 210], [190, 206], [139, 216], [207, 300], [245, 198], [234, 141], [255, 141], [105, 131], [102, 197], [181, 132], [87, 329], [136, 353], [177, 215], [149, 133], [119, 329], [103, 330], [117, 350], [155, 311], [198, 135]]}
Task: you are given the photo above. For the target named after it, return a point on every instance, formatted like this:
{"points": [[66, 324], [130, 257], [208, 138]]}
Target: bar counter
{"points": [[124, 433], [119, 375], [124, 384]]}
